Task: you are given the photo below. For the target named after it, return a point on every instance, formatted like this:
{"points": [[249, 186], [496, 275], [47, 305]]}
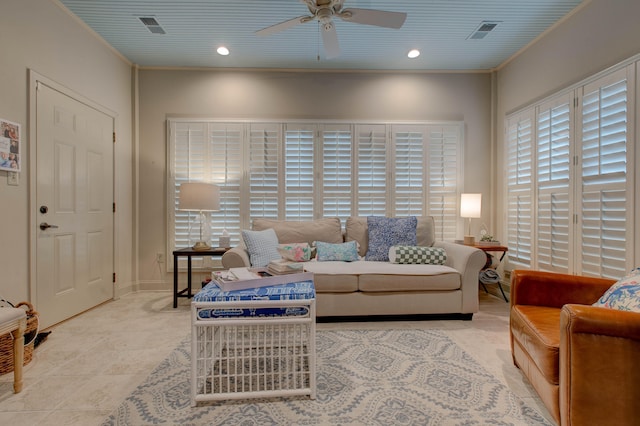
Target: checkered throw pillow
{"points": [[416, 254]]}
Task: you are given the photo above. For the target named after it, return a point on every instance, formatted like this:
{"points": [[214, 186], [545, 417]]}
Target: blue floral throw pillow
{"points": [[623, 295], [385, 232], [262, 246], [347, 252]]}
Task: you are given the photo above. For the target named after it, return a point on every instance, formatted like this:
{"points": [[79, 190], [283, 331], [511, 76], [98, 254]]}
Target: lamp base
{"points": [[201, 246], [469, 240]]}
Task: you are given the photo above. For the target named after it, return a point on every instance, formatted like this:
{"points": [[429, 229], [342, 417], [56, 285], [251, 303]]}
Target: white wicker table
{"points": [[253, 343]]}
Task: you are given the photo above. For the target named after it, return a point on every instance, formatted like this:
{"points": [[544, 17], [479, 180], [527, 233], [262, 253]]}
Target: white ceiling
{"points": [[438, 28]]}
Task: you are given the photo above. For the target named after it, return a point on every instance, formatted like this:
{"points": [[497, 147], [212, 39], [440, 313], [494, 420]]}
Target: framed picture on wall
{"points": [[10, 154]]}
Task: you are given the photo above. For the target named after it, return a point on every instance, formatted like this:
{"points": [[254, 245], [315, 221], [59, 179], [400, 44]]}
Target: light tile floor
{"points": [[90, 363]]}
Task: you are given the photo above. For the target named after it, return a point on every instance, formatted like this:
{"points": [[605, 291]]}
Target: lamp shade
{"points": [[199, 196], [470, 205]]}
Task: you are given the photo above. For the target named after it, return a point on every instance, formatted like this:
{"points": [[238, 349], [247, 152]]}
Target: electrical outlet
{"points": [[160, 257], [12, 178]]}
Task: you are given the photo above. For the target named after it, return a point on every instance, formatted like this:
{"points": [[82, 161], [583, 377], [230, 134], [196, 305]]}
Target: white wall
{"points": [[40, 35], [599, 35], [297, 95]]}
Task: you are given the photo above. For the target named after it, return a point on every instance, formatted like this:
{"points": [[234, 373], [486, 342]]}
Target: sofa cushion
{"points": [[356, 230], [417, 254], [289, 231], [537, 330], [624, 295], [347, 252], [336, 283], [382, 283], [385, 232], [262, 246]]}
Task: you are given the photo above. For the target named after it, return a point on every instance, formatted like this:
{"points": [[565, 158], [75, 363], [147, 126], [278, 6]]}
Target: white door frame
{"points": [[34, 78]]}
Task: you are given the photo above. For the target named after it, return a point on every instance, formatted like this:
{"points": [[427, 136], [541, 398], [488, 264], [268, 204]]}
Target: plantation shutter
{"points": [[189, 147], [299, 171], [224, 168], [553, 178], [263, 169], [519, 188], [603, 173], [371, 151], [409, 166], [444, 151], [336, 171], [205, 152]]}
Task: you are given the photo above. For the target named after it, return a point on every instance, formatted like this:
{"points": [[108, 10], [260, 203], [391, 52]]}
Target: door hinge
{"points": [[114, 137], [114, 207], [114, 277]]}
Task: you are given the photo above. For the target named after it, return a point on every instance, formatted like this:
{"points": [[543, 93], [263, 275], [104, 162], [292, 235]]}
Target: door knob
{"points": [[45, 225]]}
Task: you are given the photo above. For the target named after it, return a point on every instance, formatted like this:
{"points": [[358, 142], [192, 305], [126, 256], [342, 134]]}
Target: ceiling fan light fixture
{"points": [[413, 53], [222, 51]]}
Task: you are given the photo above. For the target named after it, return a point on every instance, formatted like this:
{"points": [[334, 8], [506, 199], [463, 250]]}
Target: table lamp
{"points": [[201, 197], [470, 207]]}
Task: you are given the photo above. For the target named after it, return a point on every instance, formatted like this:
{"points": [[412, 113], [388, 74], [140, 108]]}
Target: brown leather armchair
{"points": [[581, 360]]}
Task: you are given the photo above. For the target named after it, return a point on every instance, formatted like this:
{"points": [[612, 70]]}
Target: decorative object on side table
{"points": [[487, 239], [201, 197]]}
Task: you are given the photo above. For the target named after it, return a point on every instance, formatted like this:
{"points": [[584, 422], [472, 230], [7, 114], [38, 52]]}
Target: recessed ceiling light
{"points": [[223, 51], [413, 53]]}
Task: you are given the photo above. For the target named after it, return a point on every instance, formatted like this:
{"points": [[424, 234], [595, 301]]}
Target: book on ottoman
{"points": [[243, 278]]}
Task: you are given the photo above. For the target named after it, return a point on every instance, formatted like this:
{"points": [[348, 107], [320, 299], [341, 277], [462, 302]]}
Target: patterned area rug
{"points": [[364, 377]]}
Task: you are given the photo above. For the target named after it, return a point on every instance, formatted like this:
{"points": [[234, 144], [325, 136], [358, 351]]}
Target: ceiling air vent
{"points": [[485, 28], [151, 24]]}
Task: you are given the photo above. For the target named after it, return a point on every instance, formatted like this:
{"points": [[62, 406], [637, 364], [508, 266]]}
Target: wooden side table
{"points": [[486, 248], [189, 253]]}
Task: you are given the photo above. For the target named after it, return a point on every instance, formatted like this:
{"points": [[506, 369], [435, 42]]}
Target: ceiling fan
{"points": [[325, 10]]}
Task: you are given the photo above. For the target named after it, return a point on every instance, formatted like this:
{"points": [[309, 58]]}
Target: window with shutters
{"points": [[519, 188], [304, 171], [409, 164], [371, 170], [444, 176], [299, 172], [584, 197], [554, 127], [336, 171], [604, 200], [264, 169]]}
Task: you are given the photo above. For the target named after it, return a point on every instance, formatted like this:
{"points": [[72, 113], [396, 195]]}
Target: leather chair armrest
{"points": [[554, 289], [600, 321], [599, 378]]}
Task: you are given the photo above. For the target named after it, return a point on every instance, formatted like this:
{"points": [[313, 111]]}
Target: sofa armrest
{"points": [[468, 261], [237, 257], [599, 349], [554, 290]]}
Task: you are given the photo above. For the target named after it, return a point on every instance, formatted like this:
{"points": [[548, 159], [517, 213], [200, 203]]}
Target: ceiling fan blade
{"points": [[330, 40], [283, 26], [379, 18]]}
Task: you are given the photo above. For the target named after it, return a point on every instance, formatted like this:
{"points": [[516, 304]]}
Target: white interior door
{"points": [[74, 197]]}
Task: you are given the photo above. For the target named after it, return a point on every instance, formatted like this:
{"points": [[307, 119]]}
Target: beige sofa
{"points": [[364, 288]]}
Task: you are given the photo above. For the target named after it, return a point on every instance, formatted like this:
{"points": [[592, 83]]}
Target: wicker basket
{"points": [[6, 341]]}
